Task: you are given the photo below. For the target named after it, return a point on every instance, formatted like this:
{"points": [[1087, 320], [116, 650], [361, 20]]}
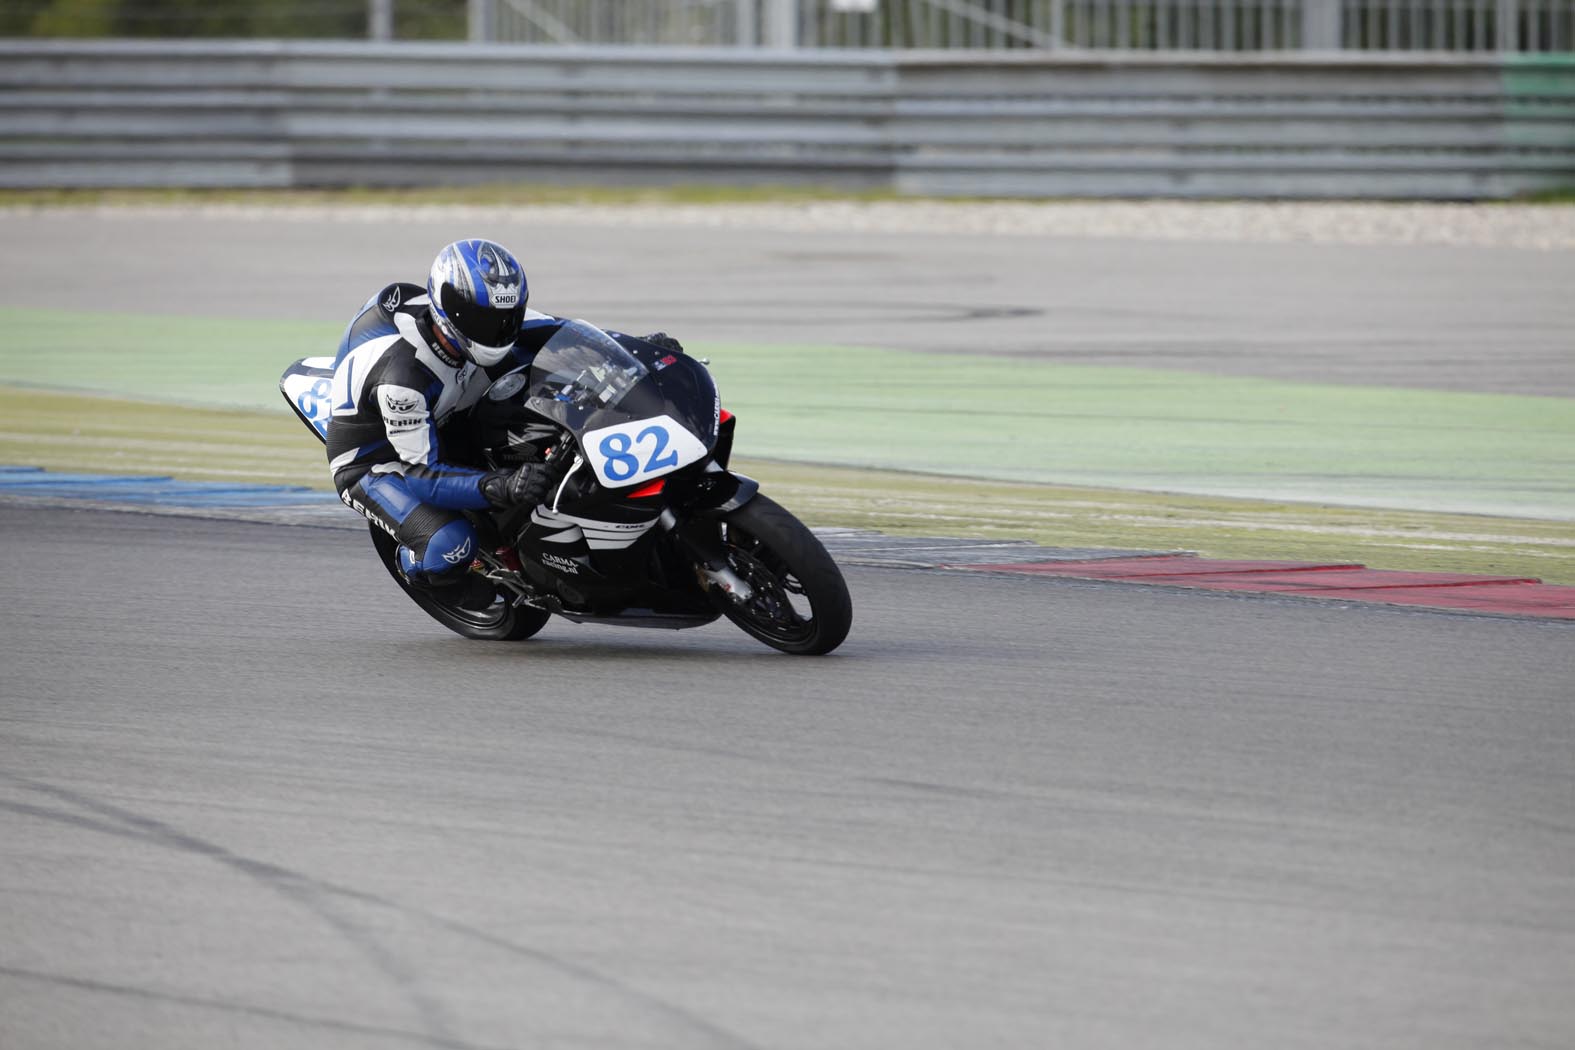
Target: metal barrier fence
{"points": [[1533, 26], [698, 23], [1138, 25], [1008, 124], [1466, 25]]}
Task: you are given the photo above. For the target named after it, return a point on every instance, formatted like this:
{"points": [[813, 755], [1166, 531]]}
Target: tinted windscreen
{"points": [[584, 367]]}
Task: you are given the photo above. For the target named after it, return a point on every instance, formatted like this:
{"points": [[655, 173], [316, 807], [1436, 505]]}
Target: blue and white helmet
{"points": [[478, 293]]}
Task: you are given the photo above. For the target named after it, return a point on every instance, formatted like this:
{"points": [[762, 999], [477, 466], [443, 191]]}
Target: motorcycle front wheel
{"points": [[464, 609], [800, 602]]}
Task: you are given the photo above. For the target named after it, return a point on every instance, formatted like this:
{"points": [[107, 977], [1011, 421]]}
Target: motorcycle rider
{"points": [[410, 364]]}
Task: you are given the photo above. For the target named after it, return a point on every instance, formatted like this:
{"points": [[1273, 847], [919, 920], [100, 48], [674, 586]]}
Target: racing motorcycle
{"points": [[644, 524]]}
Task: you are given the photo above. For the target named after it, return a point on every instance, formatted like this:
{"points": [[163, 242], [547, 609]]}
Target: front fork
{"points": [[699, 540]]}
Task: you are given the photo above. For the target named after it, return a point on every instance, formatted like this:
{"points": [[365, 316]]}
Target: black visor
{"points": [[489, 326]]}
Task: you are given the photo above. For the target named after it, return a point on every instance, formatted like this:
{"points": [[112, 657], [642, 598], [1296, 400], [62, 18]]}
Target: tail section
{"points": [[305, 386]]}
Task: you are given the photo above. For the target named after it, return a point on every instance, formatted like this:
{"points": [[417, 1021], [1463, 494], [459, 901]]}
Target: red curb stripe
{"points": [[1505, 595], [1125, 568], [1362, 580]]}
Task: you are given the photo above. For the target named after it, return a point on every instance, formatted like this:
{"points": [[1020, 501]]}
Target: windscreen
{"points": [[583, 367]]}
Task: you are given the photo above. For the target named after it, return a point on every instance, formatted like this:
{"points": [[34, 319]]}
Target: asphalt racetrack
{"points": [[250, 796]]}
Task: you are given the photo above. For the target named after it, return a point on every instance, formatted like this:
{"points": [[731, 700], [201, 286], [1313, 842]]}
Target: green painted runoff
{"points": [[999, 418]]}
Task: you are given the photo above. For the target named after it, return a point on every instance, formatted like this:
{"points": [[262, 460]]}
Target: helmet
{"points": [[478, 294]]}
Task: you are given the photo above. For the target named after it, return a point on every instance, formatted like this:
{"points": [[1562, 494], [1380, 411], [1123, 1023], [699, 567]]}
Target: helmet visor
{"points": [[487, 325]]}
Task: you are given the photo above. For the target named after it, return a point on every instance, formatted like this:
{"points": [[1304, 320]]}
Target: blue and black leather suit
{"points": [[395, 391]]}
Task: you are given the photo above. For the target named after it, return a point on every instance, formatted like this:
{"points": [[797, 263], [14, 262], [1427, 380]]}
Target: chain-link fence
{"points": [[1193, 25], [1123, 25]]}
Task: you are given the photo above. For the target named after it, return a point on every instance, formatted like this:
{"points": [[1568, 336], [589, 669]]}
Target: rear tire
{"points": [[502, 621], [801, 602]]}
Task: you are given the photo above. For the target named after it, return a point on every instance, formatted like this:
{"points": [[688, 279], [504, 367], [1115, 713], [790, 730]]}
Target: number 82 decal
{"points": [[640, 450]]}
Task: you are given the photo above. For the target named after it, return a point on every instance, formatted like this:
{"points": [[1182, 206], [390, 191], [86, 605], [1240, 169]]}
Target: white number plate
{"points": [[640, 451]]}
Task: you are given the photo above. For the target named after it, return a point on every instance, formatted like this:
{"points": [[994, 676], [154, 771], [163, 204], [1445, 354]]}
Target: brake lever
{"points": [[557, 455], [557, 498]]}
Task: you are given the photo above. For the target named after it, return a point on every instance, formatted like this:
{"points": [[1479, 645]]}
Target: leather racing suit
{"points": [[395, 390]]}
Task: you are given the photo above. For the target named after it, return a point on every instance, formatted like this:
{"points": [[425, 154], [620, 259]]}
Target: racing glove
{"points": [[663, 341], [526, 486]]}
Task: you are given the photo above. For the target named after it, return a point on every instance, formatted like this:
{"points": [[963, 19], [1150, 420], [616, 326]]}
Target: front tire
{"points": [[500, 621], [800, 603]]}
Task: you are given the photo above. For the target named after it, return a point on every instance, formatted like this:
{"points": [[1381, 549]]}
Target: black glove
{"points": [[526, 486], [663, 341]]}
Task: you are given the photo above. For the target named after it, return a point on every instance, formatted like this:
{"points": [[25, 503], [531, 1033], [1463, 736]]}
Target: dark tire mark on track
{"points": [[322, 899]]}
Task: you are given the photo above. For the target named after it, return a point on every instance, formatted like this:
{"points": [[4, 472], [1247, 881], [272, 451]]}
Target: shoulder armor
{"points": [[376, 317], [400, 297]]}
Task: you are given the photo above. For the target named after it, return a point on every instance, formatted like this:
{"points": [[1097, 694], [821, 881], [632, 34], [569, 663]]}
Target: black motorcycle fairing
{"points": [[723, 452], [583, 379], [598, 551], [726, 498], [711, 492], [604, 551]]}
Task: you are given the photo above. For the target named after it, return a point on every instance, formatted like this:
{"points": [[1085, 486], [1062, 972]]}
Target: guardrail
{"points": [[1008, 124]]}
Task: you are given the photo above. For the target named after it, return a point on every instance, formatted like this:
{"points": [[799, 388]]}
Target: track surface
{"points": [[1476, 319], [252, 797]]}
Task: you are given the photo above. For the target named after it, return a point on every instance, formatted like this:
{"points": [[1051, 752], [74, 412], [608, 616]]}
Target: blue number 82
{"points": [[622, 464], [314, 398]]}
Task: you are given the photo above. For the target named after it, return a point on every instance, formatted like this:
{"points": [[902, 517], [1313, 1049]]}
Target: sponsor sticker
{"points": [[560, 563], [356, 506]]}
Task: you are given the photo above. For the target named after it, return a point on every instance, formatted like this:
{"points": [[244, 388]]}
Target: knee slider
{"points": [[450, 550]]}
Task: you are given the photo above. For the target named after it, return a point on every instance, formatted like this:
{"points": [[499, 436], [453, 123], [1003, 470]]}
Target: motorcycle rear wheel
{"points": [[800, 603], [501, 621]]}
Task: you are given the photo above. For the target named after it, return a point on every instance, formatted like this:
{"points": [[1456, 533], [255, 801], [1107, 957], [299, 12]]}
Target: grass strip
{"points": [[99, 435], [74, 432], [1216, 527]]}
